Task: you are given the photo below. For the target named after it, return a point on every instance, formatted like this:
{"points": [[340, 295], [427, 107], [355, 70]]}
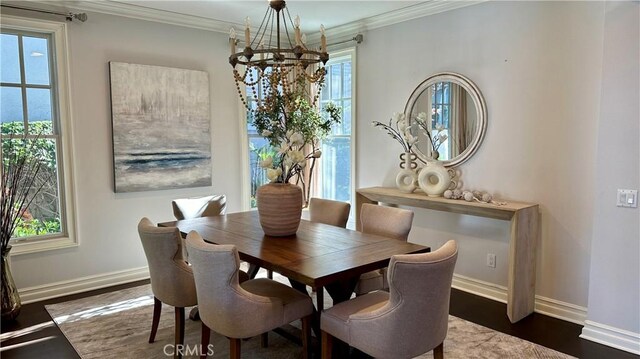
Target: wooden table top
{"points": [[316, 255]]}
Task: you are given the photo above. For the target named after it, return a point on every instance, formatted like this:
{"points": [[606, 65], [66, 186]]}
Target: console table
{"points": [[524, 220]]}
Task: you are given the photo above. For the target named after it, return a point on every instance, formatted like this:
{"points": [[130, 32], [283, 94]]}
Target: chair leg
{"points": [[438, 352], [306, 334], [327, 345], [179, 331], [234, 348], [264, 340], [157, 309], [194, 314], [206, 334]]}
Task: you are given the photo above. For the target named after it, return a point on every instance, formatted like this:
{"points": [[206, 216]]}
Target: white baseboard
{"points": [[79, 285], [480, 288], [612, 337], [543, 305]]}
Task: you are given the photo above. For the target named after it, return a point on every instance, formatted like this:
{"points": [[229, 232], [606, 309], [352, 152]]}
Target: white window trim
{"points": [[351, 52], [245, 193], [58, 32]]}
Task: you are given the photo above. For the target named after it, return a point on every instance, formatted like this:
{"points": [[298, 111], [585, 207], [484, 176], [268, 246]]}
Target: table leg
{"points": [[253, 270], [315, 322]]}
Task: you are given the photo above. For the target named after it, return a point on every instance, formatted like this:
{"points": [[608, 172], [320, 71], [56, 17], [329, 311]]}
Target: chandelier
{"points": [[277, 61]]}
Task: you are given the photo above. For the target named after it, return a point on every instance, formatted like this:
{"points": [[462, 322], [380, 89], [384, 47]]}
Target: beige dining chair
{"points": [[196, 207], [241, 310], [387, 222], [171, 277], [334, 213], [187, 208], [409, 320]]}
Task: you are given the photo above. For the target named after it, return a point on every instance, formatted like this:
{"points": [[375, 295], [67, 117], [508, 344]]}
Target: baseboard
{"points": [[612, 337], [480, 288], [543, 305], [84, 284]]}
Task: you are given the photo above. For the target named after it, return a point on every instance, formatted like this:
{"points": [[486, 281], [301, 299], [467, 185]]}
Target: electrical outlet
{"points": [[491, 260]]}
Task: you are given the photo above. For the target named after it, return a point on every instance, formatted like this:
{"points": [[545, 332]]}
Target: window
{"points": [[259, 149], [34, 105], [333, 177], [335, 174]]}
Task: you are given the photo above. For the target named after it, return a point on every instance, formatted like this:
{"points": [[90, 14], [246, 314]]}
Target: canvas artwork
{"points": [[161, 127]]}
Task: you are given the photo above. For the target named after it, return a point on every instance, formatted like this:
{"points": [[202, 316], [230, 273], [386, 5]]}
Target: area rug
{"points": [[117, 325]]}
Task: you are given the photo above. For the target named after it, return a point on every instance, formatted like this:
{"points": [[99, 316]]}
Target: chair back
{"points": [[187, 208], [171, 277], [224, 306], [386, 221], [334, 213], [416, 318]]}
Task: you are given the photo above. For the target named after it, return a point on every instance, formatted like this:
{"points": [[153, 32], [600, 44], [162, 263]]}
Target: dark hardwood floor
{"points": [[34, 335]]}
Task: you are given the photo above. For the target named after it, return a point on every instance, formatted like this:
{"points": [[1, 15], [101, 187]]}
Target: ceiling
{"points": [[312, 13], [342, 19]]}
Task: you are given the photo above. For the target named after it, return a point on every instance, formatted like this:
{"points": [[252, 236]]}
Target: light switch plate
{"points": [[627, 198]]}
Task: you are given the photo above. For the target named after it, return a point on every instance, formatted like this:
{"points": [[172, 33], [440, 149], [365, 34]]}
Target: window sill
{"points": [[41, 245]]}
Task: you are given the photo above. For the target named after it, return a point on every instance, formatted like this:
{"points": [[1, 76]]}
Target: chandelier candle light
{"points": [[281, 62]]}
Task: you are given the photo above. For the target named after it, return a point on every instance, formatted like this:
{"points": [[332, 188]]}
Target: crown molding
{"points": [[117, 8]]}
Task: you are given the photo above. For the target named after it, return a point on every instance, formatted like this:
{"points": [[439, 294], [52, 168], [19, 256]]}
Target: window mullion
{"points": [[23, 83]]}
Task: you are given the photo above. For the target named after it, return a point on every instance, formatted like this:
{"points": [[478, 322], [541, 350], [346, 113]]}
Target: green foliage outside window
{"points": [[43, 214]]}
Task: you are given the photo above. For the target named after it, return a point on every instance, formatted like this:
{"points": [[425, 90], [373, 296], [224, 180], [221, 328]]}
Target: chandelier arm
{"points": [[266, 14], [286, 30], [273, 13]]}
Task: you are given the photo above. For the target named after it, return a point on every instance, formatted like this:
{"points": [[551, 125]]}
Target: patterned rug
{"points": [[117, 325]]}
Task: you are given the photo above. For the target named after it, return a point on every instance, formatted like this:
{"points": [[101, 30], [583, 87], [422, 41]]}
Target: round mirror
{"points": [[448, 115]]}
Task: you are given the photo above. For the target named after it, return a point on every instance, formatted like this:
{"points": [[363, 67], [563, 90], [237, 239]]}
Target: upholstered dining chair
{"points": [[409, 320], [241, 310], [171, 277], [196, 207], [334, 213], [387, 222], [187, 208]]}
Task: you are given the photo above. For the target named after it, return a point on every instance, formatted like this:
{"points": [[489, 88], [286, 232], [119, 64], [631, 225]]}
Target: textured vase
{"points": [[434, 179], [10, 299], [280, 208], [407, 178]]}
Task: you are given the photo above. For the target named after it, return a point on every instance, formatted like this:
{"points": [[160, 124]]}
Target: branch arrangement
{"points": [[22, 161]]}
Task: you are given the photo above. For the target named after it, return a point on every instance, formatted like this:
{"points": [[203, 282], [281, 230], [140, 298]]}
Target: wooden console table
{"points": [[524, 219]]}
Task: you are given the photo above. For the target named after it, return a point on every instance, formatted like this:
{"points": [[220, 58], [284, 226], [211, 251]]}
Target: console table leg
{"points": [[522, 263]]}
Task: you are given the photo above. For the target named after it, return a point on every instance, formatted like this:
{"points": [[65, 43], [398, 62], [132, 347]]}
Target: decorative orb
{"points": [[468, 196], [486, 197], [448, 194], [457, 194]]}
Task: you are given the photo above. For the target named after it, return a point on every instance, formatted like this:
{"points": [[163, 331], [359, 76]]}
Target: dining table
{"points": [[318, 255]]}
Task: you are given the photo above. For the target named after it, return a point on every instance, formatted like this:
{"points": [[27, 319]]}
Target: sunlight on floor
{"points": [[24, 344], [25, 331], [106, 309]]}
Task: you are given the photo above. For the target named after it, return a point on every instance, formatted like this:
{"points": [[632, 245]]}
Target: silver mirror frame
{"points": [[478, 100]]}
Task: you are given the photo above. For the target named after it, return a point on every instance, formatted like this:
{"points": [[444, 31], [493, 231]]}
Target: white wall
{"points": [[106, 220], [614, 291], [538, 66]]}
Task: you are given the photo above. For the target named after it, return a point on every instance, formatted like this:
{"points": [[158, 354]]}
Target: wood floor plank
{"points": [[537, 328]]}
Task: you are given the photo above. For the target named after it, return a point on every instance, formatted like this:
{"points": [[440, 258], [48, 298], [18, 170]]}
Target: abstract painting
{"points": [[161, 127]]}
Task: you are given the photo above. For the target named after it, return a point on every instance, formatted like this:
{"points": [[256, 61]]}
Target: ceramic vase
{"points": [[407, 178], [434, 179], [279, 208], [10, 299]]}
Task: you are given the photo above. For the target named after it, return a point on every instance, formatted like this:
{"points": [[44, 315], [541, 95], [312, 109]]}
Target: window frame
{"points": [[59, 73], [338, 56]]}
